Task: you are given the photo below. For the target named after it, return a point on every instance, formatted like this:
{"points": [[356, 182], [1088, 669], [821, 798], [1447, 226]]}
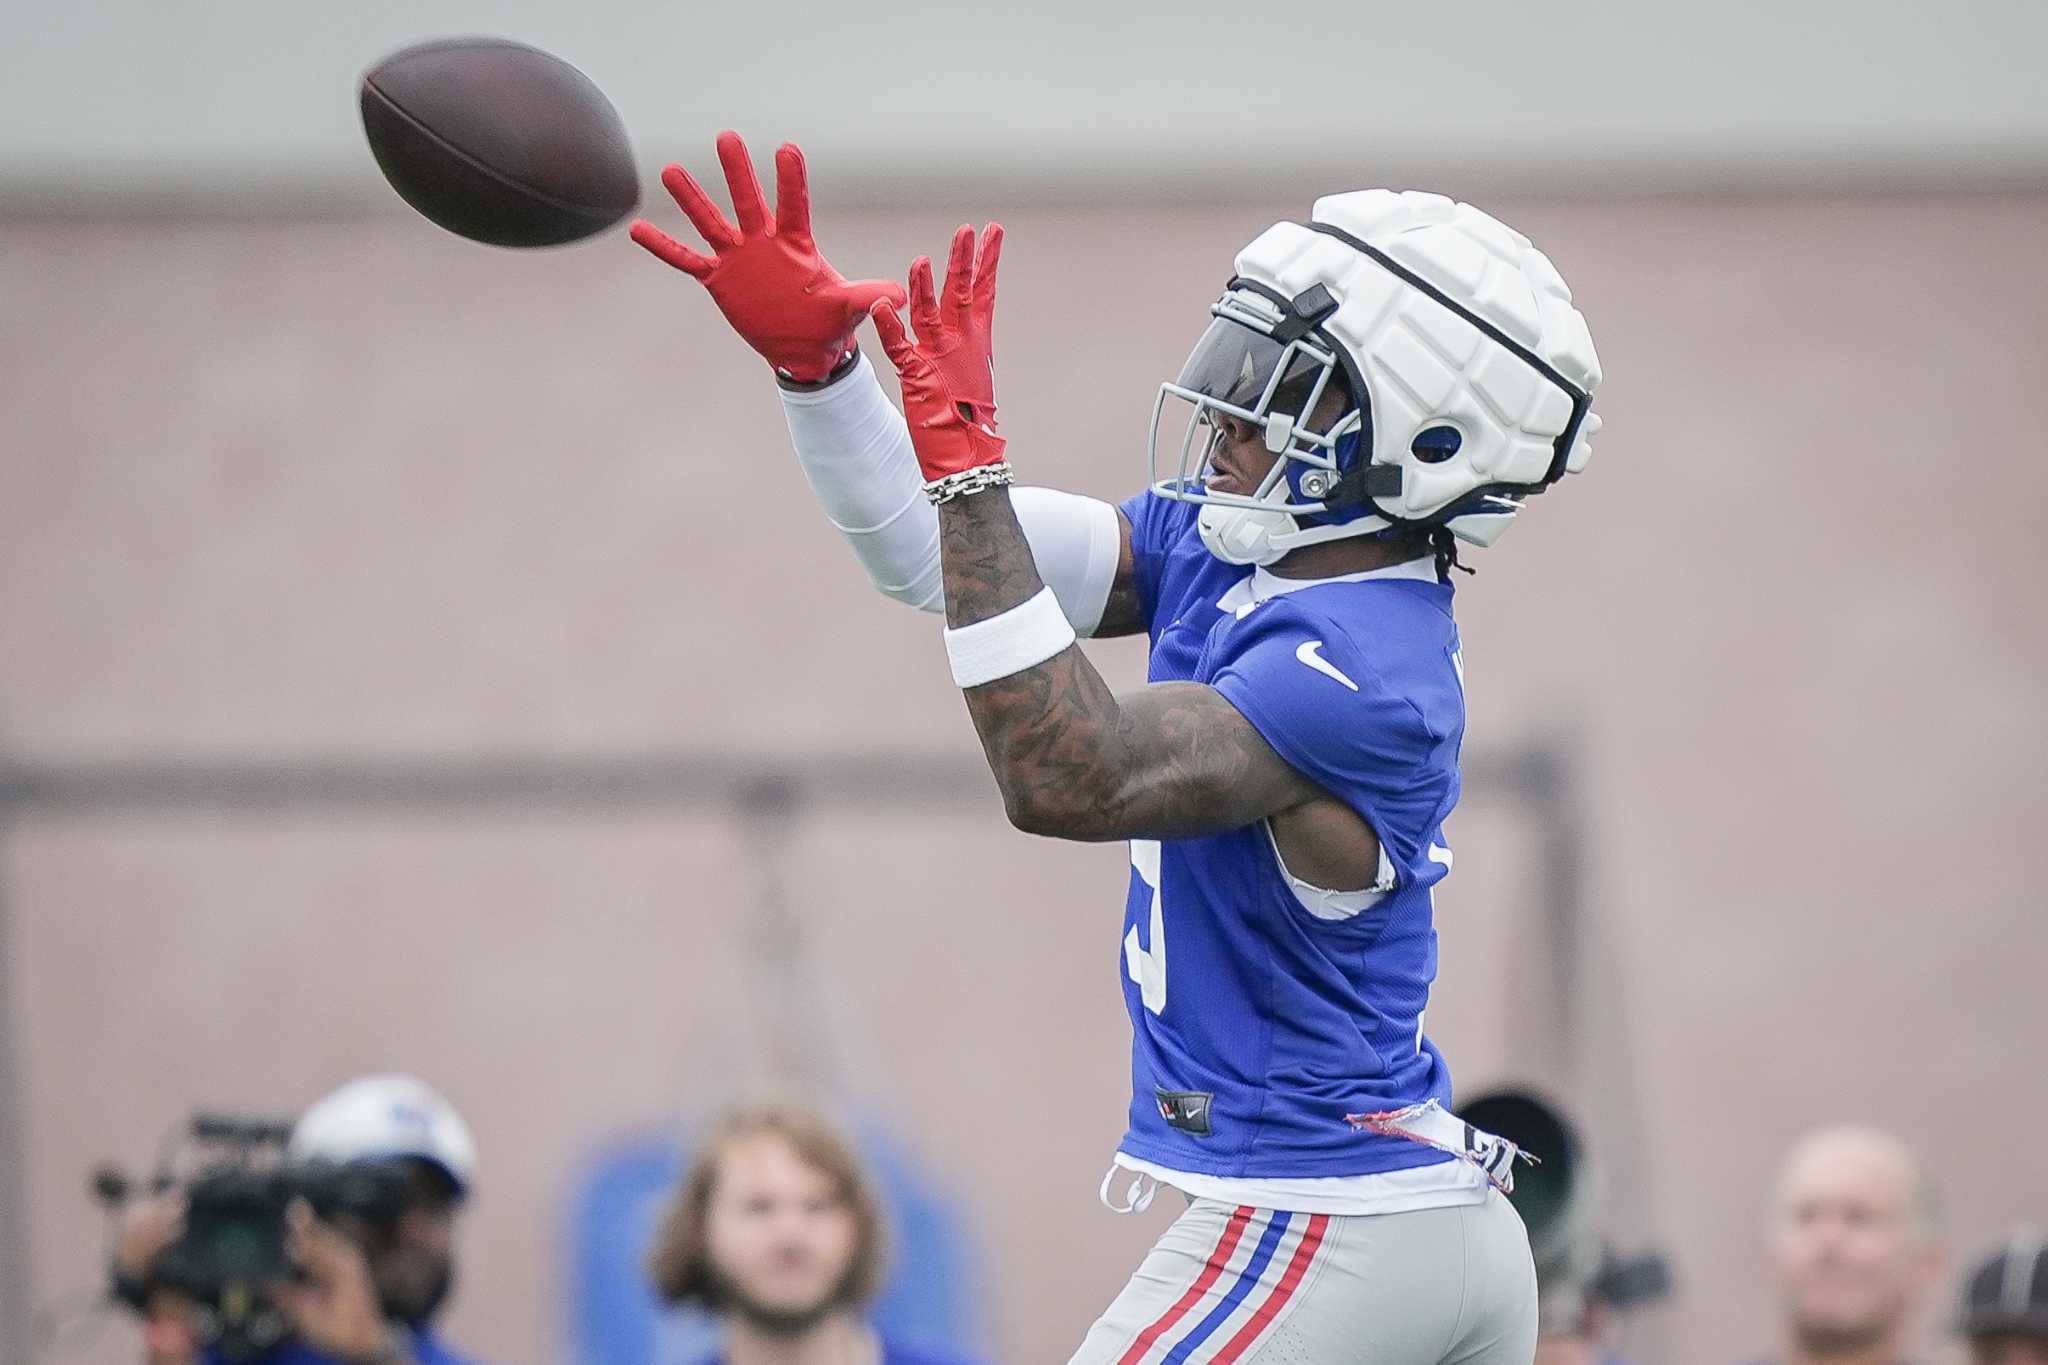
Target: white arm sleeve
{"points": [[855, 451]]}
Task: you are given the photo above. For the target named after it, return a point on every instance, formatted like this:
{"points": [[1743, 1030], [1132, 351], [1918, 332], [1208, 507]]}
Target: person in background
{"points": [[170, 1334], [1855, 1247], [367, 1291], [775, 1230], [1568, 1348], [2004, 1315], [1583, 1343]]}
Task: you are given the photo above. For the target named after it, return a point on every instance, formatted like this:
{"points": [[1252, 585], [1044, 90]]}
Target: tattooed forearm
{"points": [[985, 557], [1072, 758]]}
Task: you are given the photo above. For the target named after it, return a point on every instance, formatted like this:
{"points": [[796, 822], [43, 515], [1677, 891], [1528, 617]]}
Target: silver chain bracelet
{"points": [[979, 479]]}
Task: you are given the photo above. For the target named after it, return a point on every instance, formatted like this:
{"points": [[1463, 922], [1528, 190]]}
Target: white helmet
{"points": [[1466, 373]]}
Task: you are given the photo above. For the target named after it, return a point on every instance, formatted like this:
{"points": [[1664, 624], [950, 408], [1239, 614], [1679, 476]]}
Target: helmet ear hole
{"points": [[1434, 445]]}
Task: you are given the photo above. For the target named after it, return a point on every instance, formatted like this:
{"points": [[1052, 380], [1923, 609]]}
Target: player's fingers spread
{"points": [[960, 267], [696, 205], [748, 203], [985, 268], [792, 193], [670, 250], [924, 303]]}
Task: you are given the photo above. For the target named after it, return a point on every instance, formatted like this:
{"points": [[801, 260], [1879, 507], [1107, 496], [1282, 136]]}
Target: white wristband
{"points": [[1023, 637]]}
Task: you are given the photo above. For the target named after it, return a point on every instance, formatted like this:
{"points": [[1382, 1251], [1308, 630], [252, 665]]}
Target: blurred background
{"points": [[416, 655]]}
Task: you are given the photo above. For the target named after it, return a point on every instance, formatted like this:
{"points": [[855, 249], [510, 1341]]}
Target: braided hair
{"points": [[1445, 546], [1432, 540]]}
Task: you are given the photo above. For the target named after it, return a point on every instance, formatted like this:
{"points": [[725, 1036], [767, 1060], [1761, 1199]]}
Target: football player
{"points": [[1375, 385]]}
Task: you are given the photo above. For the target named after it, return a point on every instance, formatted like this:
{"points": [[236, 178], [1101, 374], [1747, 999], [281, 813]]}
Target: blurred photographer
{"points": [[367, 1279], [1585, 1288]]}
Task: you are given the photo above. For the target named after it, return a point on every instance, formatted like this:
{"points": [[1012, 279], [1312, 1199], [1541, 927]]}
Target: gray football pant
{"points": [[1451, 1286]]}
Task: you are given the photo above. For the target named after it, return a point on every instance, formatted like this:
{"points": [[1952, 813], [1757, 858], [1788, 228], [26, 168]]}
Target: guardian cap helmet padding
{"points": [[1468, 377]]}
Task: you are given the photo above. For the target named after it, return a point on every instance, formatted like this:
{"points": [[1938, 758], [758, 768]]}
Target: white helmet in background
{"points": [[1467, 377], [387, 1116]]}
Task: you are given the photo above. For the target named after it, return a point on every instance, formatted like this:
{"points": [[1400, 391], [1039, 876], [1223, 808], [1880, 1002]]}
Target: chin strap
{"points": [[1363, 483], [1317, 533]]}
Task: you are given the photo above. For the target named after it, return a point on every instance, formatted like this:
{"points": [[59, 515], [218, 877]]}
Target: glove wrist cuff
{"points": [[847, 355]]}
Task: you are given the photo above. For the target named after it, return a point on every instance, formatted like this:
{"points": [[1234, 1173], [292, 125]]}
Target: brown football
{"points": [[499, 141]]}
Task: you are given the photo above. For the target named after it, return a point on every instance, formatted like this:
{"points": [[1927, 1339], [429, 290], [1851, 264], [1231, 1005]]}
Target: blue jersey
{"points": [[1258, 1023]]}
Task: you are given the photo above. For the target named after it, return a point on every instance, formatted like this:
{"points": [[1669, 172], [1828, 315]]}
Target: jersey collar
{"points": [[1261, 585], [1267, 584]]}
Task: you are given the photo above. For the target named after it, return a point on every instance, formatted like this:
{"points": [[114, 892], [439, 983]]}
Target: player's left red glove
{"points": [[949, 382]]}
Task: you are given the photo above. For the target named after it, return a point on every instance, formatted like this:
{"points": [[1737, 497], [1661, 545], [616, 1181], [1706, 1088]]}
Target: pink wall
{"points": [[284, 487]]}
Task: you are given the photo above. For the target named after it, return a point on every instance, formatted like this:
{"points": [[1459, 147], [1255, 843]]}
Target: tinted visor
{"points": [[1234, 364]]}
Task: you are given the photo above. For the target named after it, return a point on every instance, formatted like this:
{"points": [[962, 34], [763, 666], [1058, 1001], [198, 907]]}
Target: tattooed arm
{"points": [[1074, 759]]}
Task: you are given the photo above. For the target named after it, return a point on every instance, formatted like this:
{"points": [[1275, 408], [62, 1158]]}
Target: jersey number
{"points": [[1146, 966]]}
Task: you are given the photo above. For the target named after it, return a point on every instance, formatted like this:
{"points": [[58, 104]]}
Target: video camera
{"points": [[234, 1236]]}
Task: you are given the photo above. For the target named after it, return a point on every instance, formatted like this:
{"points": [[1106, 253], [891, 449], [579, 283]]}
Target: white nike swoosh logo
{"points": [[1308, 654]]}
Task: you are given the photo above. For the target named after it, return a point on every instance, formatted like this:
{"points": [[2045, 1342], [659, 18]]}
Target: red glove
{"points": [[778, 293], [949, 381]]}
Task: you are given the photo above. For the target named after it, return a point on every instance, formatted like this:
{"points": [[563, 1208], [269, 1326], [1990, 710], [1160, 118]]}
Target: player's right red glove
{"points": [[782, 297]]}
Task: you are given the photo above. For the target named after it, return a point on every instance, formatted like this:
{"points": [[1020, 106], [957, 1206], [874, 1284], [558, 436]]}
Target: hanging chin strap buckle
{"points": [[1137, 1198]]}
